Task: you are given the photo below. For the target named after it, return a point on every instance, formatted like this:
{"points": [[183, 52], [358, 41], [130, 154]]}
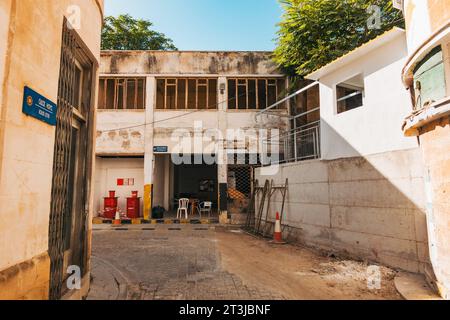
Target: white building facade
{"points": [[364, 196]]}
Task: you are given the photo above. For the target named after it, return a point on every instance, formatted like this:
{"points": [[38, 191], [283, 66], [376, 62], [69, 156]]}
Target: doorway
{"points": [[72, 165]]}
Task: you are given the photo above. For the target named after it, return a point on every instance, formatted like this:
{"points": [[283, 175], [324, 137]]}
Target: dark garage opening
{"points": [[196, 181]]}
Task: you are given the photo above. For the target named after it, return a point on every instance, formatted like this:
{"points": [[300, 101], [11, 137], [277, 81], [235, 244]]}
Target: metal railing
{"points": [[299, 144]]}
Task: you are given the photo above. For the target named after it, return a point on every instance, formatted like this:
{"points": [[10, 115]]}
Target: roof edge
{"points": [[179, 51], [356, 53]]}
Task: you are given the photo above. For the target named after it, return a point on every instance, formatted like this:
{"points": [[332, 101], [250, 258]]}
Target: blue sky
{"points": [[208, 24]]}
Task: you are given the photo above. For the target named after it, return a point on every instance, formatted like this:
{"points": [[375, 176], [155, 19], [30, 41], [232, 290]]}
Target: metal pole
{"points": [[287, 98], [295, 141]]}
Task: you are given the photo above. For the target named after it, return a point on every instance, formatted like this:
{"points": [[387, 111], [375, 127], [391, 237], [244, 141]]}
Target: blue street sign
{"points": [[39, 107], [160, 149]]}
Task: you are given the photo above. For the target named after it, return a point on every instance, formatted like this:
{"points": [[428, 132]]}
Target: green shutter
{"points": [[430, 72]]}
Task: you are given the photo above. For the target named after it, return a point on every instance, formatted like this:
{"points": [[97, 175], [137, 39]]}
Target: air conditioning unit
{"points": [[398, 4]]}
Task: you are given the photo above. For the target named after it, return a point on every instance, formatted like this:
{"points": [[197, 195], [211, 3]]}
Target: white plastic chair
{"points": [[183, 205], [206, 207]]}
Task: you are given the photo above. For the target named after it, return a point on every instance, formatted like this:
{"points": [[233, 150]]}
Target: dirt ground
{"points": [[169, 262], [299, 273]]}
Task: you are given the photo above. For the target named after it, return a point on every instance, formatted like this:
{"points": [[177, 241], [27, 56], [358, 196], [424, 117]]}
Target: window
{"points": [[350, 94], [186, 93], [429, 79], [122, 94], [254, 93]]}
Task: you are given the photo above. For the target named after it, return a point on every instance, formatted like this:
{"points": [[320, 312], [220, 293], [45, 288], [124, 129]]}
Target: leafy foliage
{"points": [[126, 33], [316, 32]]}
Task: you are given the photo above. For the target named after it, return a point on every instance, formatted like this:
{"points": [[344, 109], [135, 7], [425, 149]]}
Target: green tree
{"points": [[315, 32], [126, 33]]}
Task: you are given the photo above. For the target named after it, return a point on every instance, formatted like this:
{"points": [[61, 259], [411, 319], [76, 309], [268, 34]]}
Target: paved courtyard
{"points": [[198, 262]]}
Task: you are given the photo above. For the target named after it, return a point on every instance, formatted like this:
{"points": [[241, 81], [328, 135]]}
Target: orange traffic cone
{"points": [[278, 235], [117, 221]]}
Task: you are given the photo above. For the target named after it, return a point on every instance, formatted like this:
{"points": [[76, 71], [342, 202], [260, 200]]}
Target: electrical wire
{"points": [[175, 117]]}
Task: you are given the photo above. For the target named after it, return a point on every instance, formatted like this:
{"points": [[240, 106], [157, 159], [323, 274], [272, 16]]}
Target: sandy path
{"points": [[298, 273]]}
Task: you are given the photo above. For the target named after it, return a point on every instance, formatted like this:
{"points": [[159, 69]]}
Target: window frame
{"points": [[238, 82], [122, 82], [419, 102], [200, 82], [343, 84]]}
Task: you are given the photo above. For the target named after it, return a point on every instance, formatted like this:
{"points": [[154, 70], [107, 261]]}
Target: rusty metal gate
{"points": [[62, 200]]}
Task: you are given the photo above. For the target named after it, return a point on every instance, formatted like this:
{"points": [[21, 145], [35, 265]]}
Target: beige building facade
{"points": [[426, 74], [52, 48], [154, 106]]}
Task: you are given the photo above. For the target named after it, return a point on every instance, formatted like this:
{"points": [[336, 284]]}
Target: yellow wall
{"points": [[32, 59], [439, 13], [423, 18]]}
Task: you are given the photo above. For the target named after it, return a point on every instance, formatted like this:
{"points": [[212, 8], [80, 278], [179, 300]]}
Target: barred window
{"points": [[255, 93], [186, 93], [350, 94], [121, 93]]}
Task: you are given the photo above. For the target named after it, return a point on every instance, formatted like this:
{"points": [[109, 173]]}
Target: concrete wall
{"points": [[108, 170], [163, 176], [33, 46], [373, 128], [187, 62], [369, 208]]}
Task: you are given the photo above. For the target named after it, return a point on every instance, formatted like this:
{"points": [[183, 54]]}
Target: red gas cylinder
{"points": [[111, 204], [134, 206]]}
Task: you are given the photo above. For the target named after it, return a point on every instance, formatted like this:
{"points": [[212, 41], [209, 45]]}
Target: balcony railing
{"points": [[300, 144]]}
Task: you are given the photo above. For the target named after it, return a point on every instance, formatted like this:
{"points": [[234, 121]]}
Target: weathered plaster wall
{"points": [[26, 144], [187, 62], [435, 139], [424, 18], [5, 7], [373, 128], [365, 207], [129, 140]]}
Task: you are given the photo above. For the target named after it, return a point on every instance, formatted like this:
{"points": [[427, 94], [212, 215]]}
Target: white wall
{"points": [[375, 127], [108, 170], [162, 178], [418, 23]]}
